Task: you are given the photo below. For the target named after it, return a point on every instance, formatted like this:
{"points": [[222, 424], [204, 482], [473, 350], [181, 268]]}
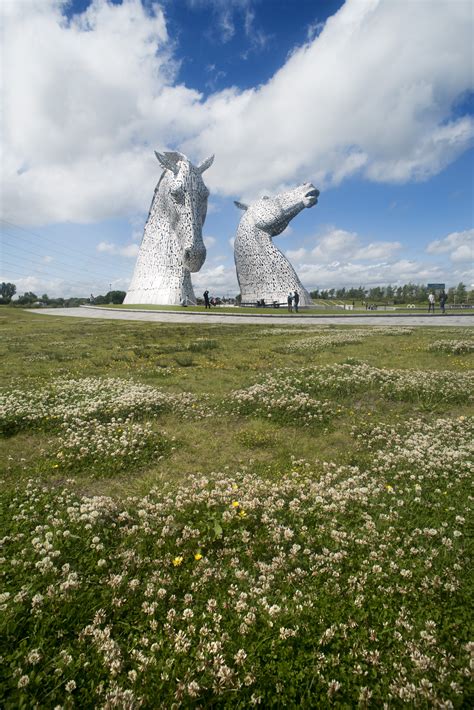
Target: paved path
{"points": [[242, 319]]}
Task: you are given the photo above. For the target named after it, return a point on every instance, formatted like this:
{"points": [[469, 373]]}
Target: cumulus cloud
{"points": [[336, 242], [86, 100], [372, 94], [296, 254], [220, 280], [130, 250], [459, 246], [342, 258], [355, 274]]}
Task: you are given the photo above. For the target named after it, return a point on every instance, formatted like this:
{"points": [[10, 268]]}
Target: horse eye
{"points": [[178, 193]]}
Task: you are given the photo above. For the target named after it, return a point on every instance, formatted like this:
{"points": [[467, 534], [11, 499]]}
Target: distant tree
{"points": [[27, 298], [100, 300], [376, 293], [7, 291], [115, 296], [74, 302], [44, 298], [238, 299], [461, 292], [356, 293]]}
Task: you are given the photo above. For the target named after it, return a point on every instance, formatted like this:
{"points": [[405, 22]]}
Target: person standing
{"points": [[296, 299], [206, 299], [290, 302], [442, 300], [431, 302]]}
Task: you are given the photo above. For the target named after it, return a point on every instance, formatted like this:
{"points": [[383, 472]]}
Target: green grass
{"points": [[322, 309], [203, 553]]}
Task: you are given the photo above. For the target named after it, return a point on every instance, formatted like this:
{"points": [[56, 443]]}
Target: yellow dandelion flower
{"points": [[177, 561], [198, 556], [235, 504], [243, 514]]}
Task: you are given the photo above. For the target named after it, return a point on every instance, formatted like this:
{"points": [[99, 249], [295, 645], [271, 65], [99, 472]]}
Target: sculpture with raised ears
{"points": [[172, 246], [263, 271]]}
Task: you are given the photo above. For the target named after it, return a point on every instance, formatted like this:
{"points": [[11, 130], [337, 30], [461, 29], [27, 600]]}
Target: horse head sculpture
{"points": [[172, 244], [263, 271]]}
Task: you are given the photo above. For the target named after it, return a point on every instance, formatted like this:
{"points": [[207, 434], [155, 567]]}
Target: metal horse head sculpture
{"points": [[262, 270], [172, 244]]}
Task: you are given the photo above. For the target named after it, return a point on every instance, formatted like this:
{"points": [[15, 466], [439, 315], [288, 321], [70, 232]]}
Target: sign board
{"points": [[437, 286]]}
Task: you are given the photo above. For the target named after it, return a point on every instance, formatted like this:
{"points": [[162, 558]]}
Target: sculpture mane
{"points": [[263, 271], [172, 246]]}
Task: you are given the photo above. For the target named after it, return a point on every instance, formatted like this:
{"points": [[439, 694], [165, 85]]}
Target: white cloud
{"points": [[334, 243], [220, 280], [371, 94], [356, 274], [87, 100], [378, 250], [296, 254], [209, 241], [458, 245], [342, 258], [130, 250]]}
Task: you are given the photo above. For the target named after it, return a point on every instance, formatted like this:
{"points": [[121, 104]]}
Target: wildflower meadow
{"points": [[228, 516]]}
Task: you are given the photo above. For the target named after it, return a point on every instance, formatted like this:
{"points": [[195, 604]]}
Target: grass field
{"points": [[321, 309], [235, 515]]}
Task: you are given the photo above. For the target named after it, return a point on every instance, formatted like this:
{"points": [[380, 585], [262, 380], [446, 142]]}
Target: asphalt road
{"points": [[215, 317]]}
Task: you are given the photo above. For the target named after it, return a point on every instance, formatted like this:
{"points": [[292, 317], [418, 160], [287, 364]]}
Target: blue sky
{"points": [[371, 100]]}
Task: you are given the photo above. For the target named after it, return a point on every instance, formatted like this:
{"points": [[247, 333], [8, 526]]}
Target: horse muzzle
{"points": [[194, 257], [311, 195]]}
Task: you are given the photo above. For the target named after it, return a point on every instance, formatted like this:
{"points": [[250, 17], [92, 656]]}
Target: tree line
{"points": [[408, 293], [8, 290]]}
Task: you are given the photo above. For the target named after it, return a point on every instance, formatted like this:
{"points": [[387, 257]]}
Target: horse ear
{"points": [[166, 162], [206, 164], [241, 205]]}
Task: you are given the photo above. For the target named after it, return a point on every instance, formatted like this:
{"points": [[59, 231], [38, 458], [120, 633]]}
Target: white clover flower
{"points": [[240, 657], [34, 656]]}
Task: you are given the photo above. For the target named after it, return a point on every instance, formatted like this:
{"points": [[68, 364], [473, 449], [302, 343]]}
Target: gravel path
{"points": [[215, 317]]}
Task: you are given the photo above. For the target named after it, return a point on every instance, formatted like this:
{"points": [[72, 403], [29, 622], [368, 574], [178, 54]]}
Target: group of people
{"points": [[432, 300], [293, 301]]}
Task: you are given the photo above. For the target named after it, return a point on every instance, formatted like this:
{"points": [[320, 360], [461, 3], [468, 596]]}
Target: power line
{"points": [[42, 273], [48, 249], [62, 253], [62, 264], [40, 236]]}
